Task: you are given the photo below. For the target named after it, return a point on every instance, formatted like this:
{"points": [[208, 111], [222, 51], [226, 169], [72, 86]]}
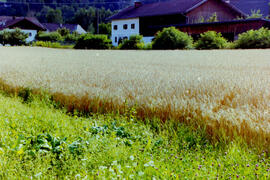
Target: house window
{"points": [[29, 34], [115, 39], [115, 27], [125, 26], [132, 26]]}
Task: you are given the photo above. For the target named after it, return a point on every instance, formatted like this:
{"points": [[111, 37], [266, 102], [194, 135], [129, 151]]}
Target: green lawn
{"points": [[38, 141]]}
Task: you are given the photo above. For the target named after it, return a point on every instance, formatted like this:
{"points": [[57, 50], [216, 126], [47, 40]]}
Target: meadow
{"points": [[38, 141], [74, 114], [224, 91]]}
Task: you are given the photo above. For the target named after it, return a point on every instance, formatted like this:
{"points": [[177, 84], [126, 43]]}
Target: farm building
{"points": [[28, 25], [71, 27], [31, 26], [147, 19]]}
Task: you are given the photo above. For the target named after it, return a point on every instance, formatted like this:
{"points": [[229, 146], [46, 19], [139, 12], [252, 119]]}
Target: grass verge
{"points": [[41, 142]]}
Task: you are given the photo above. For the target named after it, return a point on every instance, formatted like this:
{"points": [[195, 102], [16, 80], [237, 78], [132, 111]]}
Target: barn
{"points": [[147, 19]]}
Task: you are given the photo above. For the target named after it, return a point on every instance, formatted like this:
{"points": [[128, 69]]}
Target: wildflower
{"points": [[131, 158], [247, 165]]}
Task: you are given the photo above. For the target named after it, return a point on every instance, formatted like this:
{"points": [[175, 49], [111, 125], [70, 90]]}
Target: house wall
{"points": [[207, 9], [122, 33], [31, 34]]}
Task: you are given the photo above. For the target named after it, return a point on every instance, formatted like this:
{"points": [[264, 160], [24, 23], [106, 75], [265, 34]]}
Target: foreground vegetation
{"points": [[40, 142], [226, 92]]}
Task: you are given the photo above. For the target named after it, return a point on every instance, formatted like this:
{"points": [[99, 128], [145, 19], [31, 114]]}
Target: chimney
{"points": [[137, 4]]}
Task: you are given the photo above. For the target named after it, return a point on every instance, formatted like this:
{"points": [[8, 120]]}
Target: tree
{"points": [[54, 16], [105, 28]]}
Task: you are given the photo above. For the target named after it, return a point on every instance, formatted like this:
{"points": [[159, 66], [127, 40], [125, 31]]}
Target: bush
{"points": [[134, 42], [71, 38], [171, 38], [4, 37], [90, 41], [105, 28], [51, 36], [211, 40], [253, 39], [50, 44], [63, 31], [14, 37]]}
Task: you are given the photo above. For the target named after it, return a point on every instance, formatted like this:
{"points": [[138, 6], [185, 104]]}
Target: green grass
{"points": [[40, 142]]}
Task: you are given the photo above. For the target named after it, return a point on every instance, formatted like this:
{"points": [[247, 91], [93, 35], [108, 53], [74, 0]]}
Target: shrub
{"points": [[17, 37], [211, 40], [253, 39], [71, 38], [171, 38], [105, 28], [50, 44], [63, 31], [90, 41], [4, 37], [51, 36], [134, 42], [14, 37]]}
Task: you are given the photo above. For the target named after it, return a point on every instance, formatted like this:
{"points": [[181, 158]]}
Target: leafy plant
{"points": [[134, 42], [211, 40], [49, 36], [171, 38], [13, 37], [253, 39], [90, 41]]}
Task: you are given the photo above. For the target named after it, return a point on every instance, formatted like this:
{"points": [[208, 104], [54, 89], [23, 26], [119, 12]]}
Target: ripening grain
{"points": [[227, 89]]}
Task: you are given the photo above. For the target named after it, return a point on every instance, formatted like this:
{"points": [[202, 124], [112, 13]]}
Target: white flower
{"points": [[141, 173], [102, 167], [150, 163], [131, 158]]}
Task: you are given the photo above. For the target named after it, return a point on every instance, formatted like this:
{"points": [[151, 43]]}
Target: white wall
{"points": [[121, 32], [31, 34], [80, 30]]}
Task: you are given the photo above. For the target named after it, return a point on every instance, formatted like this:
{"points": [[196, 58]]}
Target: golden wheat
{"points": [[225, 89]]}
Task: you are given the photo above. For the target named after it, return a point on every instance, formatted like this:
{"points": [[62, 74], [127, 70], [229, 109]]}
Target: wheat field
{"points": [[226, 90]]}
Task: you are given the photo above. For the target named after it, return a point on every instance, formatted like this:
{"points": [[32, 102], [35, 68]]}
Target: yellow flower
{"points": [[20, 151]]}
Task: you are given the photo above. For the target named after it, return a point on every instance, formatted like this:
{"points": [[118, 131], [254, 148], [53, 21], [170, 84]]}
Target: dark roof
{"points": [[247, 5], [155, 9], [8, 21], [164, 8], [53, 26]]}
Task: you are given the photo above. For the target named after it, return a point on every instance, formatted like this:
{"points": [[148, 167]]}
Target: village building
{"points": [[186, 15], [28, 25], [31, 26], [50, 27]]}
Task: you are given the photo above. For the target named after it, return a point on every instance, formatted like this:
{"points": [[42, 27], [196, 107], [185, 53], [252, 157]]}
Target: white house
{"points": [[28, 25]]}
